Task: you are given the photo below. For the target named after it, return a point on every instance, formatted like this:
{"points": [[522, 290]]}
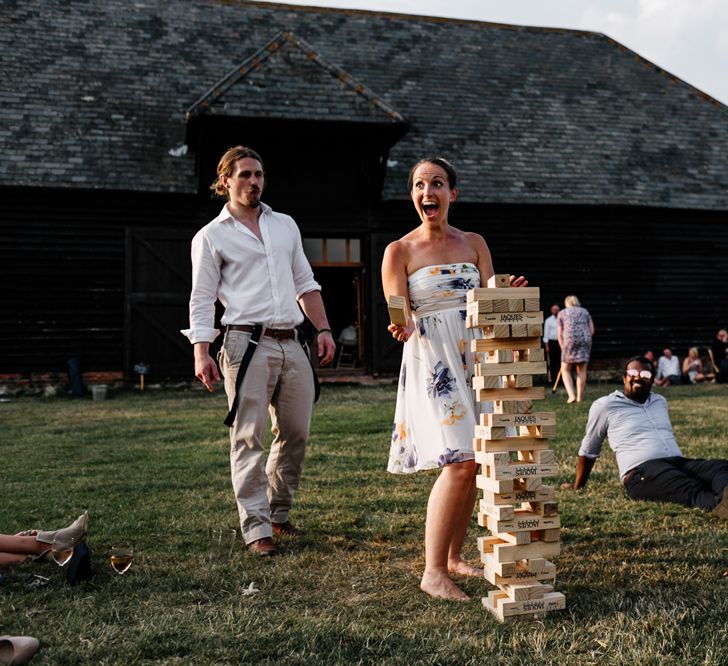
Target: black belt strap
{"points": [[244, 363], [302, 341]]}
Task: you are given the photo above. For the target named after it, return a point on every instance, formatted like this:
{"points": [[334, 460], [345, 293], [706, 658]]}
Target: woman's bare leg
{"points": [[455, 562], [444, 508], [568, 381], [15, 549], [580, 381]]}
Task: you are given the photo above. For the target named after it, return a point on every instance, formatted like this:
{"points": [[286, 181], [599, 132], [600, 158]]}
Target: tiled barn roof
{"points": [[95, 95]]}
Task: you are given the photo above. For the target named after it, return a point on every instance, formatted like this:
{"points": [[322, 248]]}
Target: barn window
{"points": [[333, 251]]}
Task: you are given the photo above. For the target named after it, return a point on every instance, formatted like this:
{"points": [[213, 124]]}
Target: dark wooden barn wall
{"points": [[63, 255], [650, 278]]}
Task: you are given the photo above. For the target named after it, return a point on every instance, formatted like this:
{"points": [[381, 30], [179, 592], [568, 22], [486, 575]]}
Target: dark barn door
{"points": [[158, 271]]}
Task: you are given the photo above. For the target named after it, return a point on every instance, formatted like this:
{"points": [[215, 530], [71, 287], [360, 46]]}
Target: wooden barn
{"points": [[585, 166]]}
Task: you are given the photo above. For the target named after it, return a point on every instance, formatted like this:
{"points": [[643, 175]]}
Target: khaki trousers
{"points": [[279, 381]]}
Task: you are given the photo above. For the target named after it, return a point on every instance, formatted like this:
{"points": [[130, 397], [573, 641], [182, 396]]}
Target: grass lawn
{"points": [[645, 584]]}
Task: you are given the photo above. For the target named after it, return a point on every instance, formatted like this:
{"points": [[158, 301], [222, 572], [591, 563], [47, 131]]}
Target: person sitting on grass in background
{"points": [[692, 368], [668, 369], [651, 467], [35, 544]]}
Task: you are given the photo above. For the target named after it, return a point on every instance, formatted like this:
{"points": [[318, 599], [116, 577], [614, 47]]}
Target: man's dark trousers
{"points": [[692, 482]]}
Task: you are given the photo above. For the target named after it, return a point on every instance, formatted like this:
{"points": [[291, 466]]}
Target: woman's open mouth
{"points": [[430, 209]]}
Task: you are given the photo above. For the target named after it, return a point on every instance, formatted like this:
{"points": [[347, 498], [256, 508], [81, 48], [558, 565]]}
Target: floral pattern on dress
{"points": [[451, 456], [434, 398], [454, 411], [403, 453], [440, 382]]}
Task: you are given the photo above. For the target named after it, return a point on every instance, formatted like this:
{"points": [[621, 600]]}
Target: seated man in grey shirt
{"points": [[651, 466]]}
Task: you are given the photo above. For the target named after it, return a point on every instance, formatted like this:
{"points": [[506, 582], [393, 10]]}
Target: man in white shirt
{"points": [[651, 467], [551, 342], [251, 259], [668, 369]]}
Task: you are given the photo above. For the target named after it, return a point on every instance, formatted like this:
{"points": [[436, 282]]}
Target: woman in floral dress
{"points": [[433, 267], [576, 329]]}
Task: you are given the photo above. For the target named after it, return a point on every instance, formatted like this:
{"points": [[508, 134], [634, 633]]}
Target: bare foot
{"points": [[462, 568], [439, 586], [570, 400]]}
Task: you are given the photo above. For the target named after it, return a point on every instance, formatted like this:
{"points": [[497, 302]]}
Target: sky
{"points": [[688, 38]]}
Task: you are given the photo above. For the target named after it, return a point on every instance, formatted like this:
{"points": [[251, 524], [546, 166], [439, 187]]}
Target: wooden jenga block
{"points": [[494, 459], [487, 433], [535, 564], [524, 591], [519, 330], [523, 521], [514, 538], [542, 432], [515, 305], [510, 318], [531, 304], [483, 345], [526, 483], [499, 487], [499, 356], [497, 512], [491, 293], [521, 575], [474, 307], [543, 494], [489, 332], [488, 382], [523, 406], [543, 508], [535, 355], [505, 407], [509, 419], [486, 544], [518, 470], [507, 444], [505, 552], [504, 609], [499, 280], [504, 368], [397, 313], [525, 568], [550, 535], [534, 393], [534, 330], [543, 456], [548, 431], [518, 381]]}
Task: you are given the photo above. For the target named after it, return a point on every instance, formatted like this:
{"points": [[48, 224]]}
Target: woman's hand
{"points": [[402, 333], [519, 281]]}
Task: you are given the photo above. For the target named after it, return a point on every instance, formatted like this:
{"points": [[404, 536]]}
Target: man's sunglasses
{"points": [[645, 374]]}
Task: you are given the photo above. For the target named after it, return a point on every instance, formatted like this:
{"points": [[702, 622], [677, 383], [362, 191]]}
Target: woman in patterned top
{"points": [[576, 329]]}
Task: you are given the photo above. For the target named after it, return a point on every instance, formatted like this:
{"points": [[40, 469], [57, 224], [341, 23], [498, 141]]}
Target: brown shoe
{"points": [[721, 511], [264, 547], [285, 529]]}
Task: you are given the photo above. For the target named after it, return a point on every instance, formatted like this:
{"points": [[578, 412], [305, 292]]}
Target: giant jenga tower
{"points": [[512, 447]]}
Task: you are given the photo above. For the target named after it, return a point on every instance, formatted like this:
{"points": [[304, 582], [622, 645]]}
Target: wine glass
{"points": [[62, 551], [121, 557]]}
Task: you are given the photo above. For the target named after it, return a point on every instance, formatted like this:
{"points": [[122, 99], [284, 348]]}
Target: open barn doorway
{"points": [[339, 270]]}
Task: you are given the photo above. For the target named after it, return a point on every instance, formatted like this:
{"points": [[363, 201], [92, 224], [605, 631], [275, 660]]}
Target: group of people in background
{"points": [[567, 337], [692, 370]]}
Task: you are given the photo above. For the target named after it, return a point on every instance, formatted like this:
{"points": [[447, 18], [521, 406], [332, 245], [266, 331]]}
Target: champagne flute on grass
{"points": [[121, 558], [62, 551]]}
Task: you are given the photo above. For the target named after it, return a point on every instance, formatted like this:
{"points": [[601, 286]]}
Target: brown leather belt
{"points": [[277, 333]]}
